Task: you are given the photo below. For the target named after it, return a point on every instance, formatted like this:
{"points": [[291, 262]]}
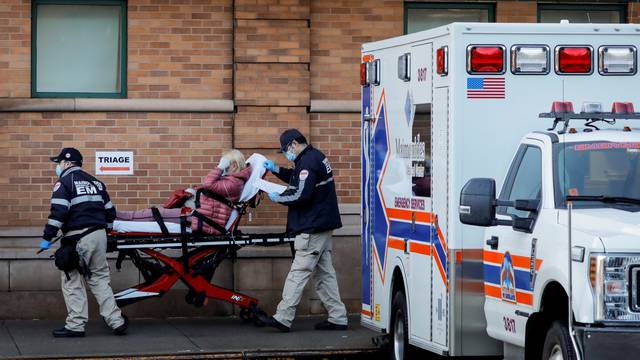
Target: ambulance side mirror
{"points": [[478, 202]]}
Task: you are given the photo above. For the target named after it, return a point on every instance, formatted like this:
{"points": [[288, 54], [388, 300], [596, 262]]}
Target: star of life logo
{"points": [[507, 279]]}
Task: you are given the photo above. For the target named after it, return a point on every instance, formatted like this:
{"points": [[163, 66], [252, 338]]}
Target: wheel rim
{"points": [[556, 353], [398, 336]]}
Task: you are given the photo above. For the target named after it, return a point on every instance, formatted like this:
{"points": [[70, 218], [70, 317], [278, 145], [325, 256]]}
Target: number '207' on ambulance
{"points": [[456, 133]]}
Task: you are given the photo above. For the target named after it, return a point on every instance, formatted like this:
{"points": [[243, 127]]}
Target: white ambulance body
{"points": [[460, 110]]}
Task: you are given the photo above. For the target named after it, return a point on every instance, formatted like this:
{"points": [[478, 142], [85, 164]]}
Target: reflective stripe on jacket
{"points": [[79, 200]]}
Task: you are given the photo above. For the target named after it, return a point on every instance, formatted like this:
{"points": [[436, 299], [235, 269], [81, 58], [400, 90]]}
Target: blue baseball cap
{"points": [[288, 136]]}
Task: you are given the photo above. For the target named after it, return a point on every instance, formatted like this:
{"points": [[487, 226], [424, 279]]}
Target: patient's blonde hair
{"points": [[235, 157]]}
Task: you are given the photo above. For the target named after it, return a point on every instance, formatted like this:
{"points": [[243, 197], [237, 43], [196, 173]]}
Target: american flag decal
{"points": [[485, 88]]}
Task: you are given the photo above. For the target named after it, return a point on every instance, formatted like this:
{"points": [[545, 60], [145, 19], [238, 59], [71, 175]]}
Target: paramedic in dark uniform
{"points": [[80, 204], [312, 216]]}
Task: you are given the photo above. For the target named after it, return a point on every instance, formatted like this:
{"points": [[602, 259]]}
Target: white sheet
{"points": [[145, 226], [270, 187], [250, 189], [248, 192]]}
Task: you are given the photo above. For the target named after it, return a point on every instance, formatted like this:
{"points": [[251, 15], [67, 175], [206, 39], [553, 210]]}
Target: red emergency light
{"points": [[363, 74], [574, 60], [485, 59], [562, 107], [622, 108], [442, 67]]}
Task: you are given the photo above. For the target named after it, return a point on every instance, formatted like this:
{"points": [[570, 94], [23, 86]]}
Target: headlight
{"points": [[614, 280]]}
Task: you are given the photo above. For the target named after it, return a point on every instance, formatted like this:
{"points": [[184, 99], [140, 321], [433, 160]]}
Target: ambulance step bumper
{"points": [[609, 342]]}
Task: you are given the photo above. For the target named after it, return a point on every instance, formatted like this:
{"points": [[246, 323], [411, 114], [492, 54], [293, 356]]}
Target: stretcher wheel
{"points": [[191, 295], [257, 322], [200, 300], [246, 315], [196, 299], [258, 316]]}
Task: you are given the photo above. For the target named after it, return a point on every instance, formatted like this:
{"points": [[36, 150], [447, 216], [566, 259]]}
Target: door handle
{"points": [[493, 242]]}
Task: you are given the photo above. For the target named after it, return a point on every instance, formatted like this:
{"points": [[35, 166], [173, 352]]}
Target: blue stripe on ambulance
{"points": [[492, 275]]}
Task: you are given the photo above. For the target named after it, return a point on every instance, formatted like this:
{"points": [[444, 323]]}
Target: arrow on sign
{"points": [[104, 168]]}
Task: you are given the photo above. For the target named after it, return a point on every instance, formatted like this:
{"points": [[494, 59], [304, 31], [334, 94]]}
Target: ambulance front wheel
{"points": [[399, 344], [557, 344]]}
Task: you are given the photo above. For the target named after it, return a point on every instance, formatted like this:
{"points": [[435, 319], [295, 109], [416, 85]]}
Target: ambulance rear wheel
{"points": [[557, 344], [399, 345]]}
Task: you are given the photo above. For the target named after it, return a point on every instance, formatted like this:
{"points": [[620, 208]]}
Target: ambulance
{"points": [[501, 191]]}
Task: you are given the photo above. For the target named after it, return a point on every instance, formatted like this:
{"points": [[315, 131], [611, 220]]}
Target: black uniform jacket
{"points": [[79, 201], [311, 195]]}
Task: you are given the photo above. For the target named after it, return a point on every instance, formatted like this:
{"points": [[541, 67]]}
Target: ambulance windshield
{"points": [[603, 169]]}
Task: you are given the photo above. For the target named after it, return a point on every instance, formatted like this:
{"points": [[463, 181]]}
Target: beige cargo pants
{"points": [[313, 256], [93, 249]]}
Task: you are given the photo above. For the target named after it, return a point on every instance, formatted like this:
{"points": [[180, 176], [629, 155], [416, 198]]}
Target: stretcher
{"points": [[164, 257]]}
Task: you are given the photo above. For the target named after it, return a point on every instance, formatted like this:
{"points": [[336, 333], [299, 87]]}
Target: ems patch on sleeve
{"points": [[56, 186], [304, 174]]}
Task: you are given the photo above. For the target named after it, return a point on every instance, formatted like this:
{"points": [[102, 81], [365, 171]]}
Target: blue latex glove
{"points": [[45, 245], [271, 166], [273, 196]]}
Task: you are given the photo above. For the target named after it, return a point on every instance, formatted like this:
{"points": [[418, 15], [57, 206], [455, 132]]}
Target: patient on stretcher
{"points": [[227, 181]]}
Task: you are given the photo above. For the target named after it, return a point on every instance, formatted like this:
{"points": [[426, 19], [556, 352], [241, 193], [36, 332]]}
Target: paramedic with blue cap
{"points": [[81, 210], [312, 216]]}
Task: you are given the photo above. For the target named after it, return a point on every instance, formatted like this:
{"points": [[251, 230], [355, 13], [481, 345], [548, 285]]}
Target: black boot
{"points": [[270, 321], [122, 329], [66, 333]]}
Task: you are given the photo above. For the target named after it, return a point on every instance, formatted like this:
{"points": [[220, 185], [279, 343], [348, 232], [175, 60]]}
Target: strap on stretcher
{"points": [[158, 218], [194, 241], [214, 196], [203, 219]]}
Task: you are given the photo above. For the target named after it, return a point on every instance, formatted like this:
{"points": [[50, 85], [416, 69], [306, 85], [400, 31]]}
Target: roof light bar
{"points": [[562, 107], [622, 108], [486, 59], [562, 112], [617, 60], [591, 107], [530, 59], [574, 60]]}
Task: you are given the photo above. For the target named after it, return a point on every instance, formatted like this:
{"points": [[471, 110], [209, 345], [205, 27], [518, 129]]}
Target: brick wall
{"points": [[633, 12], [338, 29], [271, 50], [15, 48], [179, 49], [517, 11], [171, 150], [277, 84], [338, 135]]}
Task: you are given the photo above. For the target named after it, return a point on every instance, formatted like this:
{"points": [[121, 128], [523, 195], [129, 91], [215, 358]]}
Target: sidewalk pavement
{"points": [[185, 338]]}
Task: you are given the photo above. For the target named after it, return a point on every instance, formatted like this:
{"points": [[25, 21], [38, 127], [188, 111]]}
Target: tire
{"points": [[245, 315], [399, 344], [557, 343]]}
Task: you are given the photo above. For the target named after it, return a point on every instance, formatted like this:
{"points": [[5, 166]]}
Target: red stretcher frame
{"points": [[194, 267]]}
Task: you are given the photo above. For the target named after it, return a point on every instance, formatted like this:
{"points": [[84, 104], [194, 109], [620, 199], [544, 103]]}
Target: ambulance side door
{"points": [[507, 249]]}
